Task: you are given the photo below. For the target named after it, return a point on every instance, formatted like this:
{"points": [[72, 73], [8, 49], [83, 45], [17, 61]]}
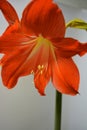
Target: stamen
{"points": [[30, 41], [32, 72], [33, 37], [41, 71], [40, 68]]}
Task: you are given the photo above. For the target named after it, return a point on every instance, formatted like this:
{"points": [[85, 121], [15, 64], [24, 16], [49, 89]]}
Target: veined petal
{"points": [[23, 61], [65, 76], [43, 17], [68, 47], [13, 38], [8, 11], [14, 66], [10, 65]]}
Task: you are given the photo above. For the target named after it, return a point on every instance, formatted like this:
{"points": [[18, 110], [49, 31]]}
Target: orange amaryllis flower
{"points": [[36, 45]]}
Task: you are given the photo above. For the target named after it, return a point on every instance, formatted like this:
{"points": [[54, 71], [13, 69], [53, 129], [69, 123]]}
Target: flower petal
{"points": [[10, 66], [14, 66], [65, 76], [13, 38], [8, 11], [68, 47], [23, 61], [43, 17], [41, 79]]}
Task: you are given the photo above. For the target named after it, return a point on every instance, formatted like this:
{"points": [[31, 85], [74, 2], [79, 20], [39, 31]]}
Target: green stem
{"points": [[58, 109]]}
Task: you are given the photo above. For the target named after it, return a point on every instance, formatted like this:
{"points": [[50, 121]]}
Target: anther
{"points": [[40, 67]]}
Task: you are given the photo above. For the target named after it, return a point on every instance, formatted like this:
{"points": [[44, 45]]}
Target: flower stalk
{"points": [[58, 111]]}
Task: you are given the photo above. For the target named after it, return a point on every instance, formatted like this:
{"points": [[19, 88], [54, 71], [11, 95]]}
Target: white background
{"points": [[22, 108], [75, 3]]}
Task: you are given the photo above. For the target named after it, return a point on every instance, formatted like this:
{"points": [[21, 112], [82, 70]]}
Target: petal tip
{"points": [[41, 92], [74, 93]]}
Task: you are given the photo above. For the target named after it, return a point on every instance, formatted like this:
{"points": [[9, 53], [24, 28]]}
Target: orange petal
{"points": [[41, 79], [13, 38], [8, 11], [43, 17], [65, 76], [23, 61], [68, 47], [10, 66], [13, 66]]}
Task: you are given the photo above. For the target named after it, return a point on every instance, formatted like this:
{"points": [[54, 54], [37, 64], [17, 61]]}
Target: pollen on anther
{"points": [[40, 67]]}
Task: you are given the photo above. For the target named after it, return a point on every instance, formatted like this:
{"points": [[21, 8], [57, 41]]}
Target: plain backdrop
{"points": [[22, 108]]}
